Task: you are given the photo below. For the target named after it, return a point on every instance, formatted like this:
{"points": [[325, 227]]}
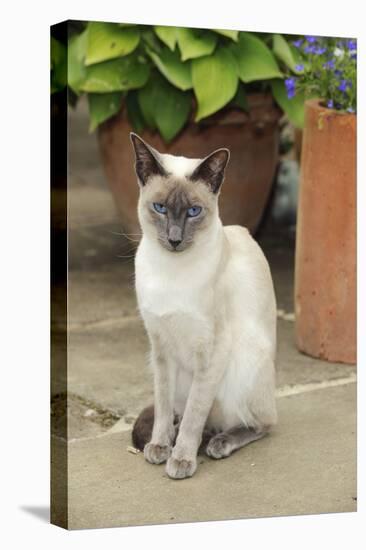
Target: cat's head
{"points": [[178, 196]]}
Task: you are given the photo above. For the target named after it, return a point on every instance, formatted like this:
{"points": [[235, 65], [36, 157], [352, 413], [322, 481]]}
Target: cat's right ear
{"points": [[147, 162]]}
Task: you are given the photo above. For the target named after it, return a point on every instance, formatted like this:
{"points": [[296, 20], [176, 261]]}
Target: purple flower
{"points": [[311, 39], [350, 110], [353, 55], [290, 84], [297, 43], [344, 84], [329, 65], [319, 50], [299, 68], [337, 72], [351, 45], [310, 49], [330, 103]]}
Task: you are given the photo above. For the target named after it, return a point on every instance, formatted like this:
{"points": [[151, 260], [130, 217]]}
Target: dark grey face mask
{"points": [[179, 214]]}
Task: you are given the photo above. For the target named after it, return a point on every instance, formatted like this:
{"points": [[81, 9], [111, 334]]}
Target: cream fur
{"points": [[213, 302]]}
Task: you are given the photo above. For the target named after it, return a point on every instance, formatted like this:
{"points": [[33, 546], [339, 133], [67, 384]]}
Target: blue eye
{"points": [[194, 211], [159, 208]]}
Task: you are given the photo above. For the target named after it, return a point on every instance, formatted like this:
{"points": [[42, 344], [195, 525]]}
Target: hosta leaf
{"points": [[240, 99], [76, 52], [150, 40], [125, 73], [148, 98], [171, 66], [58, 65], [134, 113], [195, 42], [284, 52], [215, 81], [102, 107], [229, 34], [294, 108], [168, 35], [255, 59], [109, 40], [164, 107]]}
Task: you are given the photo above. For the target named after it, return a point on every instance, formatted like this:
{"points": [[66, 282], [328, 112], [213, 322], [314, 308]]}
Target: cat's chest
{"points": [[162, 292], [165, 298]]}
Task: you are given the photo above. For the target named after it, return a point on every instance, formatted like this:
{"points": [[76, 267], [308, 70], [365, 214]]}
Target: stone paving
{"points": [[307, 466]]}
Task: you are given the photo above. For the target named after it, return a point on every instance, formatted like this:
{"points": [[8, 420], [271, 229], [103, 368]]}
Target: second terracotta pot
{"points": [[325, 271], [253, 142]]}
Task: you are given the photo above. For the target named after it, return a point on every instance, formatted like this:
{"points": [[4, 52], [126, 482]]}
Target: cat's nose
{"points": [[175, 235], [174, 243]]}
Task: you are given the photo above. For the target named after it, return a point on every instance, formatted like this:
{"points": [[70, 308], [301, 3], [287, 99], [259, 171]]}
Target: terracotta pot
{"points": [[253, 142], [325, 267]]}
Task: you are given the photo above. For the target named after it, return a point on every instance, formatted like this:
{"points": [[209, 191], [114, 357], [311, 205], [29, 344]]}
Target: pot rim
{"points": [[316, 105]]}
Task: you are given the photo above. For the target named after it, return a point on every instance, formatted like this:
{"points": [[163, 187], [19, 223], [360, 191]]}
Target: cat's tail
{"points": [[142, 429]]}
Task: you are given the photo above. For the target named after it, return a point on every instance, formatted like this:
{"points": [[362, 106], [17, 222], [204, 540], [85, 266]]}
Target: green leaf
{"points": [[215, 81], [255, 59], [164, 107], [150, 40], [240, 99], [229, 34], [58, 66], [168, 35], [294, 108], [134, 113], [171, 66], [76, 52], [195, 43], [125, 73], [283, 51], [102, 107], [108, 41]]}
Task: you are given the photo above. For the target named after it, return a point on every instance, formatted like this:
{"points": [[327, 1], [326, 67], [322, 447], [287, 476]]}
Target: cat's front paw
{"points": [[180, 469], [157, 454]]}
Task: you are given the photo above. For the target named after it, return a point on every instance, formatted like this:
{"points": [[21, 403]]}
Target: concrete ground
{"points": [[308, 464]]}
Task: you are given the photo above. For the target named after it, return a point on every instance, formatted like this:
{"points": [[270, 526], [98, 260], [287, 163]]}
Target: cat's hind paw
{"points": [[219, 446], [157, 454], [180, 469]]}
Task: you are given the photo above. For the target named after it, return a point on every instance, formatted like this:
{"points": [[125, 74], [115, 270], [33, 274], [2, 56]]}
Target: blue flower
{"points": [[344, 84], [337, 72], [351, 45], [350, 110], [297, 43], [329, 65], [299, 68], [290, 84], [319, 50], [310, 49], [330, 103], [311, 39]]}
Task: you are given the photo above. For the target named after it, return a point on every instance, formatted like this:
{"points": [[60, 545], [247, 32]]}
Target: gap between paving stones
{"points": [[122, 426], [122, 321]]}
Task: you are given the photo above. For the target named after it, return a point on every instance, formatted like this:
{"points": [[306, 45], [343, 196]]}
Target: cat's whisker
{"points": [[128, 236]]}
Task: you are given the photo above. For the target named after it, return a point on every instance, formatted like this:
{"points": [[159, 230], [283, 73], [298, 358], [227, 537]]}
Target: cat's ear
{"points": [[147, 160], [212, 169]]}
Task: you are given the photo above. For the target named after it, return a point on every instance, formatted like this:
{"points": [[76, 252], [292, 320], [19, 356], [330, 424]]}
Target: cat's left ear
{"points": [[212, 169]]}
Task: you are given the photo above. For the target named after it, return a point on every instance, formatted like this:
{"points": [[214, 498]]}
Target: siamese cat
{"points": [[206, 297]]}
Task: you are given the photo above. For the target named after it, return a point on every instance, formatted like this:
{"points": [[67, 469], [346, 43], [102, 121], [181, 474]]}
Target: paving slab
{"points": [[307, 466]]}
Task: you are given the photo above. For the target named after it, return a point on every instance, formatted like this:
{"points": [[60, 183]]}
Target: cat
{"points": [[206, 297]]}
